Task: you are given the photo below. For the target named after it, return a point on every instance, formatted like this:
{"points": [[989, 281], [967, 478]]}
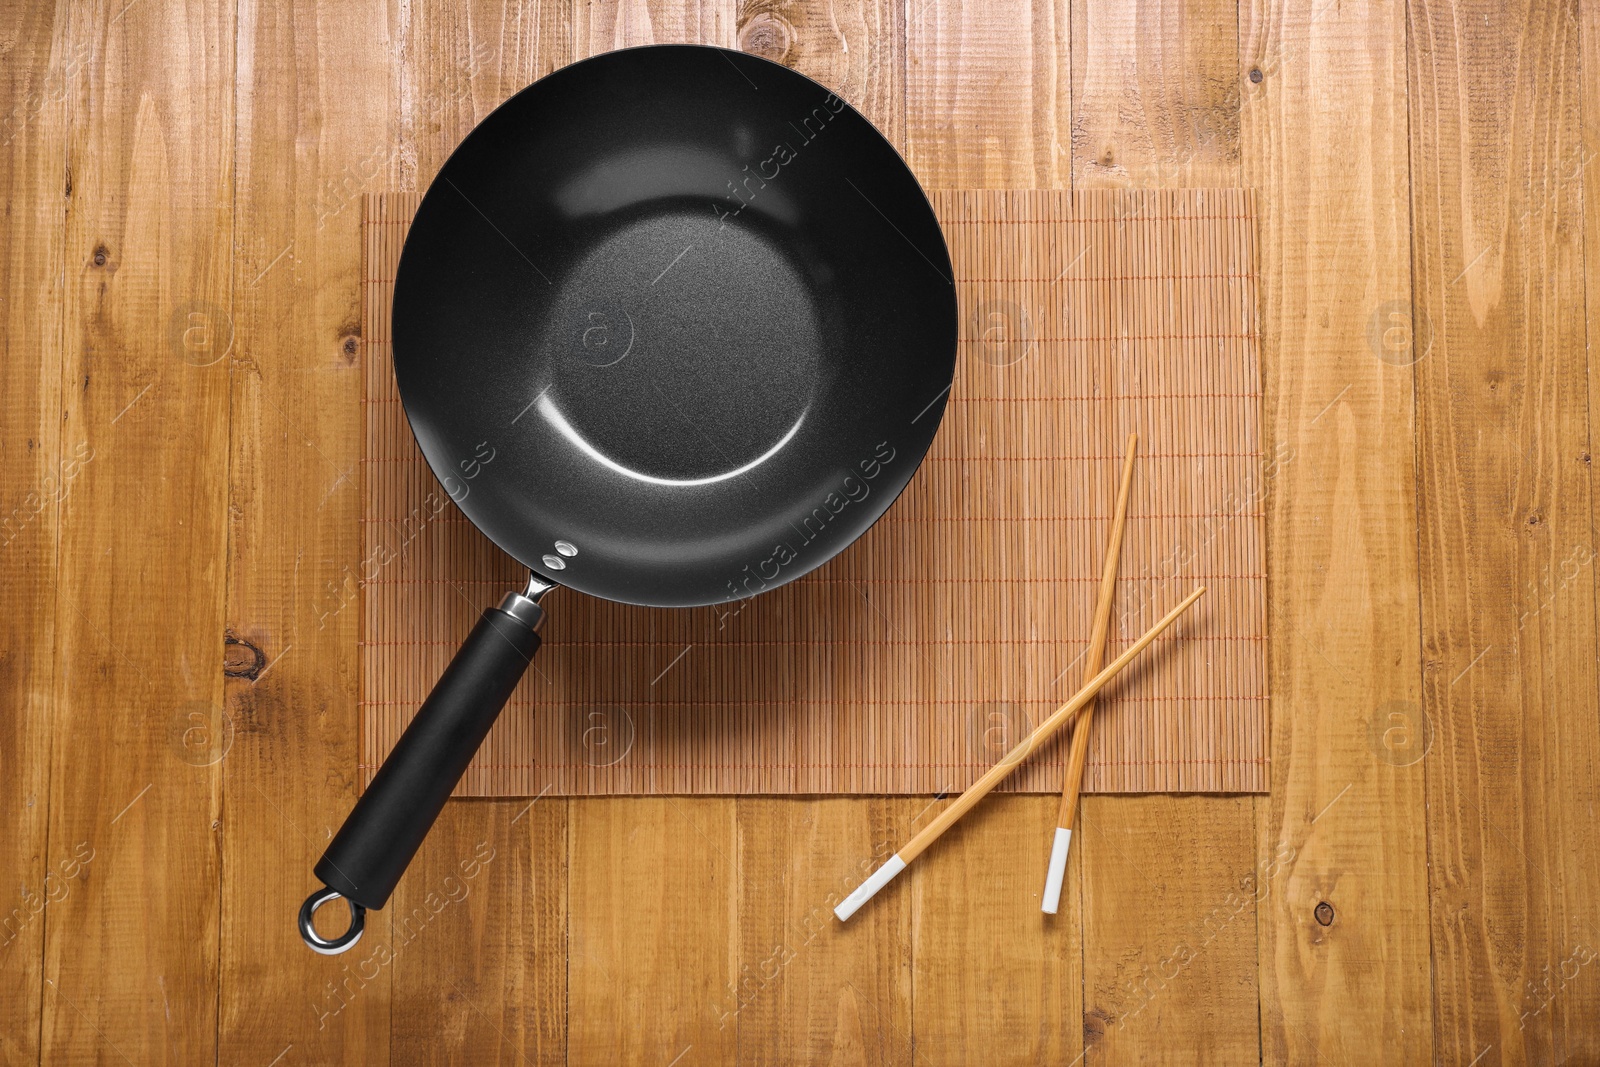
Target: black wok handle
{"points": [[371, 851]]}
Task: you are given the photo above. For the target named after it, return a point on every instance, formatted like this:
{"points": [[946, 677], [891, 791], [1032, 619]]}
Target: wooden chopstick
{"points": [[1012, 760], [1079, 750]]}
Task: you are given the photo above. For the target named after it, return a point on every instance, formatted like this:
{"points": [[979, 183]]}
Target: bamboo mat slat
{"points": [[920, 655]]}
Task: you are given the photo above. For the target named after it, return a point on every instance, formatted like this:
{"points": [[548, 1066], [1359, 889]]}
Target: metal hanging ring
{"points": [[336, 945]]}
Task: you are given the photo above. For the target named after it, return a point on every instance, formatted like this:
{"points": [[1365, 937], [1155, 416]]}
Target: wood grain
{"points": [[478, 939], [1155, 101], [1324, 139], [36, 61], [462, 60], [1170, 889], [1155, 93], [1506, 511], [808, 989], [992, 977], [854, 47], [130, 958], [604, 25], [988, 85], [1589, 113], [317, 124], [653, 929]]}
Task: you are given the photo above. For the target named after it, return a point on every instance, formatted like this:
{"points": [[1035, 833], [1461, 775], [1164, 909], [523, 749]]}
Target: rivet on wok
{"points": [[566, 548], [555, 563]]}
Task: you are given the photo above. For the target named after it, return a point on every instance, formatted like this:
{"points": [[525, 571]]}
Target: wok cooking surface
{"points": [[674, 325]]}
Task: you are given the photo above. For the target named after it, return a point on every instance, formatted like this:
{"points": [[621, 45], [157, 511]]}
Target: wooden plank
{"points": [[1170, 890], [505, 1001], [1589, 63], [1155, 93], [854, 47], [1323, 135], [36, 65], [1169, 938], [988, 93], [1589, 112], [1506, 510], [462, 60], [808, 989], [604, 25], [315, 125], [131, 960], [987, 106], [478, 938], [990, 971], [652, 929]]}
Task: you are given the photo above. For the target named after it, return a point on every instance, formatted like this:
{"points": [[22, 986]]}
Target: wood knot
{"points": [[1096, 1021], [101, 256], [240, 658], [350, 346], [1255, 75], [769, 36], [1324, 913]]}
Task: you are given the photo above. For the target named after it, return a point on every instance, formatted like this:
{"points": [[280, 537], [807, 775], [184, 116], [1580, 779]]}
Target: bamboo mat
{"points": [[920, 655]]}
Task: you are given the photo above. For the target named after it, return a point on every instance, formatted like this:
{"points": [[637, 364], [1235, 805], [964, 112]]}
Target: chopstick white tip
{"points": [[865, 891], [1058, 870]]}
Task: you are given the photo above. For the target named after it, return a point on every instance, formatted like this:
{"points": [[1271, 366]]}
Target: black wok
{"points": [[674, 326]]}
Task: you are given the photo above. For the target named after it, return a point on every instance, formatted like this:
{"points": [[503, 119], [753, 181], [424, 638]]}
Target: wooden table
{"points": [[178, 505]]}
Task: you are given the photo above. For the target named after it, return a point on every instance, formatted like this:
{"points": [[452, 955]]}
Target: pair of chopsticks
{"points": [[1081, 707]]}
